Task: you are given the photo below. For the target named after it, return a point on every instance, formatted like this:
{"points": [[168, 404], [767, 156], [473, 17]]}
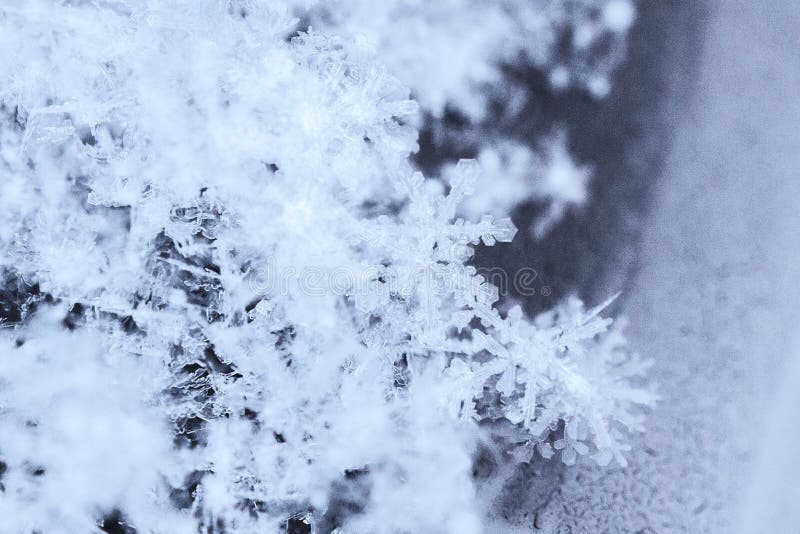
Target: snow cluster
{"points": [[232, 305]]}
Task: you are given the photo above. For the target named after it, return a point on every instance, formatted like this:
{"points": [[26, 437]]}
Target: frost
{"points": [[235, 302]]}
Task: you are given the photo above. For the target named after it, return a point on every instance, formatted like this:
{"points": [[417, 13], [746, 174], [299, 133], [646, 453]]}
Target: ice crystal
{"points": [[232, 302]]}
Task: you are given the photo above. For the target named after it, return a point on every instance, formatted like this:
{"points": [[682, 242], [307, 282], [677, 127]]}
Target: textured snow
{"points": [[162, 162]]}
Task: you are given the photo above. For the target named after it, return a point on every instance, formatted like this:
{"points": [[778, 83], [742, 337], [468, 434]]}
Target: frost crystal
{"points": [[236, 305]]}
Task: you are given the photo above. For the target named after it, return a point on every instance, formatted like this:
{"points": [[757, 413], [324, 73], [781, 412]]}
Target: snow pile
{"points": [[231, 303]]}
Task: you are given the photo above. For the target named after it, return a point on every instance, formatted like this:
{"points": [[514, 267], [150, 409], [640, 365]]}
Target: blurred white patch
{"points": [[618, 15]]}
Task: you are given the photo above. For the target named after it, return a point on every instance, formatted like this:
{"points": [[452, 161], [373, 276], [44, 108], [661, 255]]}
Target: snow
{"points": [[453, 53], [450, 52], [158, 157]]}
